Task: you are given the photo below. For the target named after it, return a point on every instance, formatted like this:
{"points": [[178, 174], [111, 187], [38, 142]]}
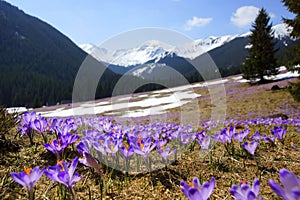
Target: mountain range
{"points": [[228, 52]]}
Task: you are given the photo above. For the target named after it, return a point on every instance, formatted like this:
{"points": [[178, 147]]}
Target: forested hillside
{"points": [[38, 64]]}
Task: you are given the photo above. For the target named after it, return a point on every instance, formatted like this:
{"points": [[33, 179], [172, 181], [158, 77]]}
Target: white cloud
{"points": [[196, 22], [244, 16]]}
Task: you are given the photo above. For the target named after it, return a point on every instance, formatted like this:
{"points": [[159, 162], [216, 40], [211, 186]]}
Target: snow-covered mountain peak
{"points": [[87, 47], [155, 44], [155, 50], [281, 31]]}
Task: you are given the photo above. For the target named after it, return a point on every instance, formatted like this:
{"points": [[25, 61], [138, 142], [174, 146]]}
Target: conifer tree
{"points": [[294, 7], [260, 60]]}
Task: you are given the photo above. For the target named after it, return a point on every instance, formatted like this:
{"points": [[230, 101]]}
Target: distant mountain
{"points": [[228, 52], [155, 50], [38, 64]]}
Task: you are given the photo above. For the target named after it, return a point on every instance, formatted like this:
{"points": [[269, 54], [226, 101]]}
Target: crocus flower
{"points": [[241, 136], [256, 136], [41, 125], [111, 145], [65, 175], [27, 121], [204, 142], [165, 152], [196, 191], [187, 138], [291, 185], [278, 132], [126, 151], [142, 146], [225, 136], [269, 139], [90, 161], [250, 146], [99, 143], [57, 146], [245, 191], [28, 178], [83, 146]]}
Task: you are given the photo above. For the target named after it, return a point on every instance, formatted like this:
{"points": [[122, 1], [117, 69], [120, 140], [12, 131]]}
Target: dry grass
{"points": [[164, 183]]}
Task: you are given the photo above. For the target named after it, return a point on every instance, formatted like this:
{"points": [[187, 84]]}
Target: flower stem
{"points": [[72, 193]]}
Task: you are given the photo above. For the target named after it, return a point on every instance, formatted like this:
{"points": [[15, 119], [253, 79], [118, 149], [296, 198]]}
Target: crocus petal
{"points": [[237, 194], [251, 196], [184, 188], [256, 186], [296, 194], [76, 177], [19, 178], [196, 183], [277, 188], [64, 178], [73, 166], [208, 188], [194, 194], [36, 174], [288, 179]]}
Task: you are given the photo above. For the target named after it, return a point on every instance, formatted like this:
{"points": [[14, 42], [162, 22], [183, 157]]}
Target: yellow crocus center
{"points": [[28, 171], [111, 145], [244, 182], [48, 125], [126, 147], [140, 143], [60, 162]]}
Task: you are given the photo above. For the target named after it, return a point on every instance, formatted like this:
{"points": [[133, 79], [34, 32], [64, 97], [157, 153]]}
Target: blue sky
{"points": [[95, 21]]}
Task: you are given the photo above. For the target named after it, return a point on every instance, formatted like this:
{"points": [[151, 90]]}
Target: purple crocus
{"points": [[142, 146], [126, 151], [291, 185], [111, 145], [165, 152], [83, 146], [65, 175], [57, 146], [204, 142], [269, 139], [28, 178], [256, 136], [27, 121], [241, 136], [225, 136], [41, 125], [196, 191], [278, 132], [250, 146], [245, 191], [90, 161]]}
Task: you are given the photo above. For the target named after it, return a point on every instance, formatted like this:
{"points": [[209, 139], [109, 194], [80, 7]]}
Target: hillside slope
{"points": [[38, 64]]}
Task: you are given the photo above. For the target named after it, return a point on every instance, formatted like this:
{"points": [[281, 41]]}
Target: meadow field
{"points": [[149, 158]]}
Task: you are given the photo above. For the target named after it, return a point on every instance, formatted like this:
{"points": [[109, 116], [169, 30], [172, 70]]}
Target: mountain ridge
{"points": [[154, 50]]}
